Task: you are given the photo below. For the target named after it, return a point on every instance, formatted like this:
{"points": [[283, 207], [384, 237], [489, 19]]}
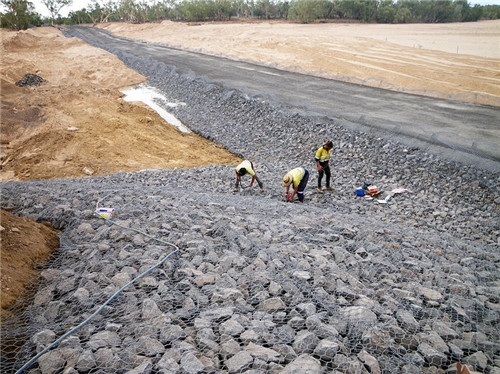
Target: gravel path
{"points": [[337, 284]]}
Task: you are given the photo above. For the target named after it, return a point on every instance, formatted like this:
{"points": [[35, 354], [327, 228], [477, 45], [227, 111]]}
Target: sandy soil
{"points": [[460, 61], [76, 124], [24, 244]]}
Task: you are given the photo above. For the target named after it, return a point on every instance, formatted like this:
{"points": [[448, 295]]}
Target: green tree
{"points": [[403, 15], [19, 15], [386, 14], [55, 6], [78, 17]]}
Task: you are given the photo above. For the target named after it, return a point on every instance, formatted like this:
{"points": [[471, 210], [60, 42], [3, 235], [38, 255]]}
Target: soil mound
{"points": [[30, 80], [25, 243]]}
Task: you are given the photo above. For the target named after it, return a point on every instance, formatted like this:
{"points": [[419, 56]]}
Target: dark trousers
{"points": [[302, 185], [326, 170]]}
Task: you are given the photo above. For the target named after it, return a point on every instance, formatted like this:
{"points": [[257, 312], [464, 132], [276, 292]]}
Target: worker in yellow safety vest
{"points": [[322, 159], [246, 167], [298, 177]]}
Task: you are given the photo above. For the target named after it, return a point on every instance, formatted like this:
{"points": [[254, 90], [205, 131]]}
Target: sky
{"points": [[79, 4]]}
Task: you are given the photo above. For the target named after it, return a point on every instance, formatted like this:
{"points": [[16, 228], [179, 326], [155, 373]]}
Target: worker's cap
{"points": [[287, 180]]}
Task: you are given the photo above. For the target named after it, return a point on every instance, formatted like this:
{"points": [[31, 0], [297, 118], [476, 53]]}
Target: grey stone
{"points": [[104, 339], [51, 362], [149, 347], [477, 360], [239, 362], [407, 321], [44, 338], [304, 364], [190, 364], [262, 353], [231, 327], [326, 349], [305, 342], [171, 333], [144, 368], [150, 309], [217, 314], [369, 362], [274, 303], [359, 315], [86, 361], [431, 355], [230, 348]]}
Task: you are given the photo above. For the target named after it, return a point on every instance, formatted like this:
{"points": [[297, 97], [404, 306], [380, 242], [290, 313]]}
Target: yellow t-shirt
{"points": [[323, 155], [246, 165], [297, 175]]}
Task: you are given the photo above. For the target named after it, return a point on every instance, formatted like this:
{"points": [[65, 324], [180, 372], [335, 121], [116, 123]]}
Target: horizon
{"points": [[81, 4]]}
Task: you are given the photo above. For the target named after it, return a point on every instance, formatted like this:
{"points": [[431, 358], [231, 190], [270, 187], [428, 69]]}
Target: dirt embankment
{"points": [[76, 123], [24, 244], [460, 61]]}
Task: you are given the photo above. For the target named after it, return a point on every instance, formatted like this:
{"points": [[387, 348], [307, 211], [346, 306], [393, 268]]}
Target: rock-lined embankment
{"points": [[338, 284]]}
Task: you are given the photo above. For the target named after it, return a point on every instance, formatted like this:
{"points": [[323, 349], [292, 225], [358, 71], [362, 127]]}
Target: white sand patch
{"points": [[149, 96]]}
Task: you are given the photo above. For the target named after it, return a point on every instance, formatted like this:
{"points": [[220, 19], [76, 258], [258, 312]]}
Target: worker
{"points": [[322, 159], [298, 177], [246, 167]]}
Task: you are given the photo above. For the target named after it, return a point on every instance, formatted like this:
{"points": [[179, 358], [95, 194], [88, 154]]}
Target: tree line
{"points": [[20, 14]]}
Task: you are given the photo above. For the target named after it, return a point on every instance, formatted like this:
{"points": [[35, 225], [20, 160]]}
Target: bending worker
{"points": [[299, 178], [322, 159], [244, 168]]}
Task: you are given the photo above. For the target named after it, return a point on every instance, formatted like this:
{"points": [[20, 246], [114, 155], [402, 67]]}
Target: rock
{"points": [[150, 309], [432, 356], [86, 361], [430, 294], [305, 342], [359, 315], [171, 333], [231, 327], [51, 362], [274, 303], [369, 362], [144, 368], [407, 321], [44, 338], [477, 360], [239, 362], [104, 339], [304, 364], [149, 347], [262, 353], [190, 364], [326, 349], [217, 314]]}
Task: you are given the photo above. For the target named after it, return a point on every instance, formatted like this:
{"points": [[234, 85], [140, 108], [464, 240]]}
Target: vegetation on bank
{"points": [[20, 14]]}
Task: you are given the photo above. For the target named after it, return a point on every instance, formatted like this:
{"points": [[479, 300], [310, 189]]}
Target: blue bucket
{"points": [[360, 192]]}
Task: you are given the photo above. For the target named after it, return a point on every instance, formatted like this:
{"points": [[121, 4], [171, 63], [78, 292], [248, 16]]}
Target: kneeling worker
{"points": [[244, 168], [299, 178]]}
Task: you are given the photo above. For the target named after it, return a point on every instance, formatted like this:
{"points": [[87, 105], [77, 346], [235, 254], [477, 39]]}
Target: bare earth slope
{"points": [[77, 124], [460, 61]]}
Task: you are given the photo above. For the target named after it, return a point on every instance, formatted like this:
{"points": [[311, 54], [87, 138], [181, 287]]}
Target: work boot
{"points": [[328, 188], [319, 190]]}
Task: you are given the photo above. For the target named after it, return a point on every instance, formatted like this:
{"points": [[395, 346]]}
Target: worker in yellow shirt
{"points": [[322, 159], [246, 167], [298, 177]]}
